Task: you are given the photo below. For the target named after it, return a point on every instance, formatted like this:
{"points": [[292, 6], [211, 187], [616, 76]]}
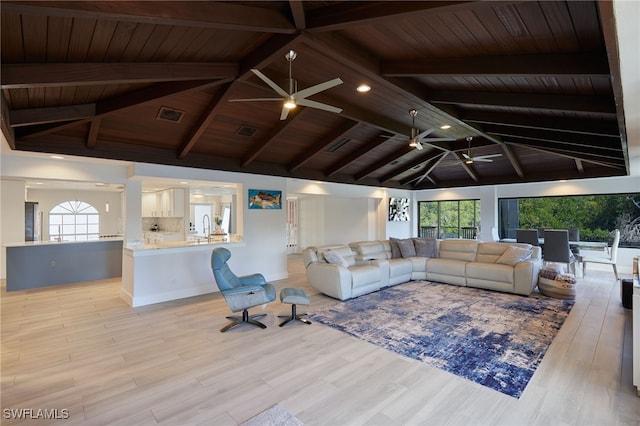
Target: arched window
{"points": [[74, 221]]}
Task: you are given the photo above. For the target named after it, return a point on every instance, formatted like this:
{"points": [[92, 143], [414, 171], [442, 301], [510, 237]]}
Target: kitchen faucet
{"points": [[206, 226]]}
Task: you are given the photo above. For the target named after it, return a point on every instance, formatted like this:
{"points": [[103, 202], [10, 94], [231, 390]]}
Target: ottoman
{"points": [[293, 296]]}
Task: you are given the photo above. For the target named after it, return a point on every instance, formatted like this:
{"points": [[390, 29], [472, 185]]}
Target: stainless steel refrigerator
{"points": [[32, 224]]}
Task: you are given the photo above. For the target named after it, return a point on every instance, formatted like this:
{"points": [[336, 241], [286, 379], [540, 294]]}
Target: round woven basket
{"points": [[557, 289]]}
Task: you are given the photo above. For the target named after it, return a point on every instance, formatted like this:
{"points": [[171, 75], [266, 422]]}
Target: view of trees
{"points": [[449, 217], [595, 215]]}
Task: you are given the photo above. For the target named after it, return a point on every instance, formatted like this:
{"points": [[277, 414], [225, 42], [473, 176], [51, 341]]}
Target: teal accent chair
{"points": [[240, 293]]}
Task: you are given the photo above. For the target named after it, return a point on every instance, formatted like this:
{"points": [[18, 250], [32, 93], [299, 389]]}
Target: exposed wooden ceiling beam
{"points": [[547, 102], [384, 162], [33, 116], [148, 94], [94, 128], [550, 65], [222, 15], [326, 141], [550, 147], [567, 124], [297, 12], [5, 122], [599, 143], [20, 76], [272, 137], [423, 159], [349, 14], [204, 121], [369, 145]]}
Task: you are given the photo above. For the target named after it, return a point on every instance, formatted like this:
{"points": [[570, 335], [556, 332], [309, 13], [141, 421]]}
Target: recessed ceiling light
{"points": [[39, 183], [99, 184], [57, 157], [198, 195], [445, 127], [363, 88], [184, 182]]}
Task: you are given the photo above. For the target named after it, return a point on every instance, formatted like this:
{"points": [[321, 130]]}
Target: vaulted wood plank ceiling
{"points": [[533, 85]]}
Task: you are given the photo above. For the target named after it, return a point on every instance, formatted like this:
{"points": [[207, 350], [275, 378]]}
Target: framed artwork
{"points": [[263, 199], [398, 209]]}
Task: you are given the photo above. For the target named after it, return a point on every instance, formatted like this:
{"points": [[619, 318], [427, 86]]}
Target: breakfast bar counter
{"points": [[34, 264], [154, 273]]}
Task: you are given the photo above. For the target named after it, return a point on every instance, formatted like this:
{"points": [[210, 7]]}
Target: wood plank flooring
{"points": [[81, 348]]}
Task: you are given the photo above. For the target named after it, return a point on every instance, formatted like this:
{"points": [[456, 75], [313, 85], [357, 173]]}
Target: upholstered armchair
{"points": [[240, 293]]}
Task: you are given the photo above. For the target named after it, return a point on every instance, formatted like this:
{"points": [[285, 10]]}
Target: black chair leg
{"points": [[293, 316], [245, 318]]}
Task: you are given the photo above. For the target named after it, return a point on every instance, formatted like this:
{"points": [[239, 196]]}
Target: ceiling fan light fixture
{"points": [[290, 104]]}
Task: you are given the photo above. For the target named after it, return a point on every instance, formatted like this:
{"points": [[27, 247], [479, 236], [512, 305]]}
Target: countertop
{"points": [[47, 243]]}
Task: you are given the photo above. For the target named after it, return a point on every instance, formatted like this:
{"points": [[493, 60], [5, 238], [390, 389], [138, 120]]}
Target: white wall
{"points": [[12, 198], [111, 222]]}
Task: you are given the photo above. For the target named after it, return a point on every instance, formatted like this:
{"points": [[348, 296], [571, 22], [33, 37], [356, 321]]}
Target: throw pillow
{"points": [[513, 255], [407, 249], [333, 257], [426, 247], [395, 250]]}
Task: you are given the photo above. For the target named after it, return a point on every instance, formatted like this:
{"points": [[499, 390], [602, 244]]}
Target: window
{"points": [[74, 221], [449, 219], [595, 216]]}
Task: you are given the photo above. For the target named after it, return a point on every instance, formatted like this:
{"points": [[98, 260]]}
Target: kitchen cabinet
{"points": [[166, 203]]}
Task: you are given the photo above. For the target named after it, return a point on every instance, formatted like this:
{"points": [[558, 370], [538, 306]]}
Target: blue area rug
{"points": [[491, 338]]}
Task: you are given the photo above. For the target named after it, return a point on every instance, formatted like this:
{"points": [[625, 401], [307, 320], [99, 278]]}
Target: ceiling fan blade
{"points": [[482, 157], [482, 160], [279, 90], [439, 139], [425, 133], [284, 113], [255, 99], [466, 156], [318, 105], [301, 94]]}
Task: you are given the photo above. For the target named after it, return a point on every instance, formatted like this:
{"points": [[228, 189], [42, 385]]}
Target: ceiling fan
{"points": [[416, 138], [469, 159], [293, 96]]}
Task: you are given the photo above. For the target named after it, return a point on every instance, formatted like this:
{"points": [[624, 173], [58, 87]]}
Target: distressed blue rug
{"points": [[491, 338]]}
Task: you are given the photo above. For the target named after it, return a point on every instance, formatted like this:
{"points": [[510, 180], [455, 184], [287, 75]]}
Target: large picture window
{"points": [[74, 221], [595, 216], [449, 219]]}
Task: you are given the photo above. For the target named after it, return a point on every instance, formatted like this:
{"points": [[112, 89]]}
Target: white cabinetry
{"points": [[167, 203]]}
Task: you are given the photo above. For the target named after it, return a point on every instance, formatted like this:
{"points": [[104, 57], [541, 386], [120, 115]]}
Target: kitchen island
{"points": [[155, 273], [34, 264]]}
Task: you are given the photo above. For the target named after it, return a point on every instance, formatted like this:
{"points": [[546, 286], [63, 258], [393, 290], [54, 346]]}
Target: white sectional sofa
{"points": [[363, 267]]}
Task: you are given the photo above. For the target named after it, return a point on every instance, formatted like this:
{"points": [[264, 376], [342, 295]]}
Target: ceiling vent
{"points": [[170, 114], [338, 144], [246, 131]]}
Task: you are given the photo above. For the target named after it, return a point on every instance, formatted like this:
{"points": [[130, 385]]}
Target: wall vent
{"points": [[170, 114], [246, 131], [338, 144]]}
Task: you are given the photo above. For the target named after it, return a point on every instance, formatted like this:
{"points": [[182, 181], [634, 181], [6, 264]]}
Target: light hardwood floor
{"points": [[81, 348]]}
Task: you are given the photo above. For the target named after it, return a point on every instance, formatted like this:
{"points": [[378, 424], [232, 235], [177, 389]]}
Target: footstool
{"points": [[293, 296]]}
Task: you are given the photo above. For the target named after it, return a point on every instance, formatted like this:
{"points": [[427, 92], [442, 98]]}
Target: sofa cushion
{"points": [[343, 250], [333, 257], [362, 275], [407, 249], [441, 266], [370, 250], [491, 272], [490, 252], [426, 247], [513, 255], [458, 250], [395, 250]]}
